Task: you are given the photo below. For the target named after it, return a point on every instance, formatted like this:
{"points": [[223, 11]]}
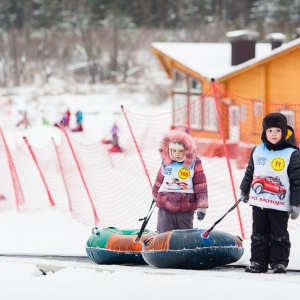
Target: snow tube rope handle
{"points": [[96, 231], [205, 234]]}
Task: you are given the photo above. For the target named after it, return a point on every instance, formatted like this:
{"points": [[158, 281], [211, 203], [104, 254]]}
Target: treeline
{"points": [[102, 40], [163, 14]]}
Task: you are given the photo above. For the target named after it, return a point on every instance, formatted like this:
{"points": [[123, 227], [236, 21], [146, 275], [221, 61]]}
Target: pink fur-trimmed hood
{"points": [[180, 137]]}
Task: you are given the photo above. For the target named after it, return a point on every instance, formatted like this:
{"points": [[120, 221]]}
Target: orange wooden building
{"points": [[267, 74]]}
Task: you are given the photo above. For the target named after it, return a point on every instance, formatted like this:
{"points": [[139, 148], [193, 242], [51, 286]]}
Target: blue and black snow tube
{"points": [[187, 249]]}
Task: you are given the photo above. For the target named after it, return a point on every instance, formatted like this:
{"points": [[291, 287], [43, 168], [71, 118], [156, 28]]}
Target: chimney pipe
{"points": [[276, 39], [242, 45]]}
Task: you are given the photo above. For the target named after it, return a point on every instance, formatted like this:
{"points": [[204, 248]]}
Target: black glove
{"points": [[294, 212], [244, 197], [201, 212]]}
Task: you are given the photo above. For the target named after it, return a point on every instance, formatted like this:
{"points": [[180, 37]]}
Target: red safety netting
{"points": [[106, 186]]}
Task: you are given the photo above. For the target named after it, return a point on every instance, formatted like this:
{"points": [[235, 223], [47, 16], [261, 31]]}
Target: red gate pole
{"points": [[14, 174], [137, 146], [227, 154], [63, 177], [39, 169], [96, 219]]}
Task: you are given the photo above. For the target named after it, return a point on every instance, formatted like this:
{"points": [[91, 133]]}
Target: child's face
{"points": [[177, 154], [274, 135]]}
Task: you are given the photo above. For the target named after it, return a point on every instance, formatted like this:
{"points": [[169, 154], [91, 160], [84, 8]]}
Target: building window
{"points": [[186, 90], [210, 114], [243, 112], [195, 112], [195, 86], [290, 116], [180, 109], [179, 81], [258, 109]]}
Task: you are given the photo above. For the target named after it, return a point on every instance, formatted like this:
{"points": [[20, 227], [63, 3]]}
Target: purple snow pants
{"points": [[167, 221]]}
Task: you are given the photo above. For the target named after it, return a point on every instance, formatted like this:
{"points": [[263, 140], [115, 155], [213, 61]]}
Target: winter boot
{"points": [[256, 268], [279, 268]]}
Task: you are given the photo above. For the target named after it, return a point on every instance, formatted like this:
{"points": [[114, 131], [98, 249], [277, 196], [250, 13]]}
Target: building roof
{"points": [[213, 60]]}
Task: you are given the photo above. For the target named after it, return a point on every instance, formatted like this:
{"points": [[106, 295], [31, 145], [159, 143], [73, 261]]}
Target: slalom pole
{"points": [[137, 146], [205, 234], [146, 219]]}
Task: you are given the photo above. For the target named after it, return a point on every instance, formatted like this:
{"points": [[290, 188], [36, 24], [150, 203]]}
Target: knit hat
{"points": [[274, 120], [177, 146]]}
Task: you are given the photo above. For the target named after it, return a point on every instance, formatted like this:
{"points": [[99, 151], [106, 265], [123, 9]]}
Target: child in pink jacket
{"points": [[180, 187]]}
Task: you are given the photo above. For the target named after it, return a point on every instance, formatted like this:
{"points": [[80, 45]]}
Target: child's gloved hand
{"points": [[294, 212], [201, 212], [244, 197]]}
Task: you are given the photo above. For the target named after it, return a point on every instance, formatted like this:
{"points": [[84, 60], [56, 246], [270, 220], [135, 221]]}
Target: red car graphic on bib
{"points": [[270, 185]]}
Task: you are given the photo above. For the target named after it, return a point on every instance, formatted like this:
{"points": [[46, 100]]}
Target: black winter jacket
{"points": [[293, 168]]}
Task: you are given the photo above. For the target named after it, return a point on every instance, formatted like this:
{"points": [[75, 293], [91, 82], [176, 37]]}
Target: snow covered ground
{"points": [[54, 232]]}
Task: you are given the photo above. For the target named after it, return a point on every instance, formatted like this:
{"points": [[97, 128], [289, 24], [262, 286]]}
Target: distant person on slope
{"points": [[115, 139], [66, 118], [180, 187], [79, 119], [115, 129], [277, 159], [24, 121]]}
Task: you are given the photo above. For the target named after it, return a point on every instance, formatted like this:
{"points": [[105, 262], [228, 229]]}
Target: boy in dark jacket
{"points": [[271, 185]]}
